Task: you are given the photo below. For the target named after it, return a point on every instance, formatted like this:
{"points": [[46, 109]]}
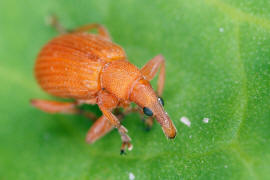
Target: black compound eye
{"points": [[161, 101], [147, 111]]}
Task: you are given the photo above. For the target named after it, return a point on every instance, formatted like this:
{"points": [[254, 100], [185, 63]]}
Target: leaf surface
{"points": [[218, 67]]}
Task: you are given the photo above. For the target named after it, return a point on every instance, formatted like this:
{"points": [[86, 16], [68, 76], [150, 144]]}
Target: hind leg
{"points": [[102, 31], [53, 21], [54, 106], [61, 107]]}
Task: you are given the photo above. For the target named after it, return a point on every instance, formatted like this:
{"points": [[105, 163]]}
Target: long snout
{"points": [[145, 97], [165, 122]]}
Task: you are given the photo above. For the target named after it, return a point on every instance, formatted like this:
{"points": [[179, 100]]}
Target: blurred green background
{"points": [[218, 67]]}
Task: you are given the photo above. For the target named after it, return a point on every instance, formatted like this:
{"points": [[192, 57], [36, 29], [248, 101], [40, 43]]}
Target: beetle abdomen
{"points": [[70, 65]]}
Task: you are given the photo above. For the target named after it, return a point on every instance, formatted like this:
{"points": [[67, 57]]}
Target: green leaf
{"points": [[218, 67]]}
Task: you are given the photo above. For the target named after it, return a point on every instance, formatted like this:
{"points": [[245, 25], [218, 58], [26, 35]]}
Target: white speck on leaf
{"points": [[225, 166], [190, 136], [205, 120], [131, 176], [221, 29], [185, 120]]}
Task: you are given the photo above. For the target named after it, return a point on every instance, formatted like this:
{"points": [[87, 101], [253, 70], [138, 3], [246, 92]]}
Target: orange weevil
{"points": [[91, 69]]}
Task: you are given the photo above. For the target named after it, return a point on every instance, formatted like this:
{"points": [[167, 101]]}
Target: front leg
{"points": [[150, 69], [107, 102]]}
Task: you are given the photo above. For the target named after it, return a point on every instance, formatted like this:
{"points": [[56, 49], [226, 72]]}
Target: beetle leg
{"points": [[60, 107], [53, 21], [101, 127], [54, 106], [102, 31], [150, 69], [149, 121], [121, 129], [106, 103]]}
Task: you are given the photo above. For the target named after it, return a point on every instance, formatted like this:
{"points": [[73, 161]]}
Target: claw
{"points": [[125, 140], [123, 147], [130, 146], [122, 152], [148, 128]]}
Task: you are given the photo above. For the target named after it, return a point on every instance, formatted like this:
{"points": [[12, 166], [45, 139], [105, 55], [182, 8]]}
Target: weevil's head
{"points": [[145, 97]]}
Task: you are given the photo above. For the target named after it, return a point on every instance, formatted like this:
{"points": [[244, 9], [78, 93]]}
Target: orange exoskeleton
{"points": [[91, 69]]}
